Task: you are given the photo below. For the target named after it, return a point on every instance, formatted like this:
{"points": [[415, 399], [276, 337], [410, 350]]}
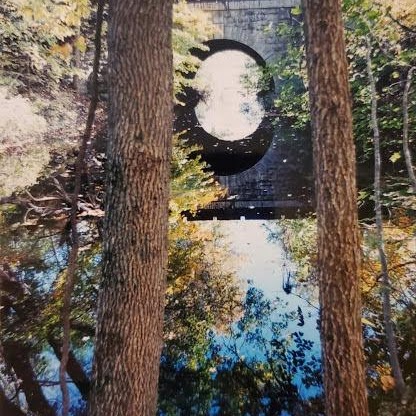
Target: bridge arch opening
{"points": [[227, 114]]}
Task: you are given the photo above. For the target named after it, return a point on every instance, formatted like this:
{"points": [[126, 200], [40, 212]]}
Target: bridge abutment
{"points": [[280, 183]]}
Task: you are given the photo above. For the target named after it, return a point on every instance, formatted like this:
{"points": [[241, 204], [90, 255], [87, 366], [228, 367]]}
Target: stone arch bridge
{"points": [[273, 178], [249, 22]]}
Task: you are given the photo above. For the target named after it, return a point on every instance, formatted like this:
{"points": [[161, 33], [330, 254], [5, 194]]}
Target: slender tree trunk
{"points": [[338, 235], [76, 63], [386, 283], [17, 356], [73, 368], [73, 255], [8, 408], [131, 299], [406, 148]]}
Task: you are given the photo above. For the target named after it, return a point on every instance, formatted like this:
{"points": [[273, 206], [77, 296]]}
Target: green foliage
{"points": [[202, 292], [393, 52], [192, 184], [299, 239], [39, 42], [39, 39], [250, 371], [290, 71], [265, 384], [190, 29]]}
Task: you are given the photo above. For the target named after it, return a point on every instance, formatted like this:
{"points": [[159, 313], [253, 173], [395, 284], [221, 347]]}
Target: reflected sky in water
{"points": [[275, 339], [263, 265]]}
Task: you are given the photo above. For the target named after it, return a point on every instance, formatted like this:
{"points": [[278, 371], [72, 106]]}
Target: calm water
{"points": [[276, 332], [267, 363], [264, 265]]}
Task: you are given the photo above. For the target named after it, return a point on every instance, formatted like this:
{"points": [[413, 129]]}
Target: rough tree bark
{"points": [[338, 236], [131, 299], [385, 276]]}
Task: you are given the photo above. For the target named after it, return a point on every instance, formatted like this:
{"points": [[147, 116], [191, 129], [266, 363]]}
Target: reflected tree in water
{"points": [[254, 368]]}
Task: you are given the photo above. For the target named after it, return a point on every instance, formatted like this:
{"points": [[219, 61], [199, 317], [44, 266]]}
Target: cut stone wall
{"points": [[250, 22], [281, 182]]}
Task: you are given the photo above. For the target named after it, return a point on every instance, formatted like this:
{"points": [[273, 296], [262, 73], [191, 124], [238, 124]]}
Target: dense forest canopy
{"points": [[46, 56]]}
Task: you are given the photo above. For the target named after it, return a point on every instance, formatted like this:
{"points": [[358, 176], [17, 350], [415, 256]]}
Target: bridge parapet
{"points": [[242, 4]]}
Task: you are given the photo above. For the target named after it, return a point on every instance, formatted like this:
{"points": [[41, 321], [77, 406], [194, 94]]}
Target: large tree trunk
{"points": [[338, 235], [131, 299]]}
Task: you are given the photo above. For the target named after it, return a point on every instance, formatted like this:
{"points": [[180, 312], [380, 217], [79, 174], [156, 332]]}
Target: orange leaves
{"points": [[67, 49], [387, 382], [64, 50], [386, 379]]}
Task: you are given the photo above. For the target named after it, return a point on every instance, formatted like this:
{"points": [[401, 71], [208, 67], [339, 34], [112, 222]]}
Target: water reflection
{"points": [[253, 370], [266, 362], [225, 353]]}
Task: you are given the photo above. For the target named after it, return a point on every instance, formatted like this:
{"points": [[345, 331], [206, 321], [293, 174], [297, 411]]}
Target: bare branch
{"points": [[385, 281], [79, 168]]}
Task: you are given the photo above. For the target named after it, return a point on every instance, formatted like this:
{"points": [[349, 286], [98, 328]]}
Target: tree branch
{"points": [[17, 357], [7, 407], [79, 169], [73, 368], [385, 281]]}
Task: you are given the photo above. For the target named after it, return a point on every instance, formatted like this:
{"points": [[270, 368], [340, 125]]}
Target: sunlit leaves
{"points": [[192, 184], [202, 293], [395, 157], [55, 19], [39, 37], [402, 10], [296, 11], [290, 70], [191, 28]]}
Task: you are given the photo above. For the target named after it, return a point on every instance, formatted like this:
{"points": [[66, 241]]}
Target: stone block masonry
{"points": [[281, 182], [250, 22]]}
